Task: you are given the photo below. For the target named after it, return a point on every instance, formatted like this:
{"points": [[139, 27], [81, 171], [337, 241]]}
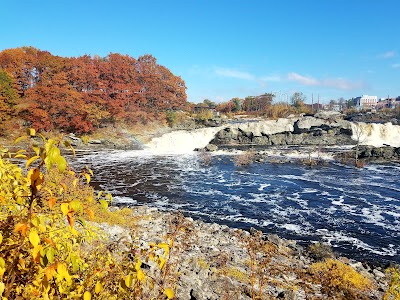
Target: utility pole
{"points": [[312, 103], [318, 103]]}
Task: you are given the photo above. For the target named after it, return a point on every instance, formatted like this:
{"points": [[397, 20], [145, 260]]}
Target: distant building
{"points": [[365, 102], [386, 103]]}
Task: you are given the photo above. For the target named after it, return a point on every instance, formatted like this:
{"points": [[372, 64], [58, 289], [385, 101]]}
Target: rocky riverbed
{"points": [[321, 129], [210, 261]]}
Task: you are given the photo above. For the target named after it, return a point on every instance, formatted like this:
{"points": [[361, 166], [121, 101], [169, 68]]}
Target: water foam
{"points": [[181, 141], [376, 135]]}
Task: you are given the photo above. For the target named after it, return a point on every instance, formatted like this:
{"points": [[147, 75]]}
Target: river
{"points": [[356, 211]]}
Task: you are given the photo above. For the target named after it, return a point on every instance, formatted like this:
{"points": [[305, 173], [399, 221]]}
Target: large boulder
{"points": [[268, 127], [329, 115], [304, 130]]}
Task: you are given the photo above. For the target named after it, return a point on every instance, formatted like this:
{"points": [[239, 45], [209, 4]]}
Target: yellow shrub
{"points": [[393, 292], [48, 250], [340, 280]]}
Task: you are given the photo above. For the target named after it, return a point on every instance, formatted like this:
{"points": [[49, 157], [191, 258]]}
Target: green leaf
{"points": [[49, 145], [104, 204], [49, 163], [61, 163], [50, 254], [76, 205], [53, 153]]}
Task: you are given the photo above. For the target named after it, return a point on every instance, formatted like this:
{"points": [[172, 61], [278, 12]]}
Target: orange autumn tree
{"points": [[55, 104], [84, 93]]}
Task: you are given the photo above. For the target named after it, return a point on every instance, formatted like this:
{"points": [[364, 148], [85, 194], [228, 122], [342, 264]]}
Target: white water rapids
{"points": [[376, 134], [183, 141]]}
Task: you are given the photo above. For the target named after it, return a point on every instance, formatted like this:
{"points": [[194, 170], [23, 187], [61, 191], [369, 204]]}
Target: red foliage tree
{"points": [[79, 94], [55, 104]]}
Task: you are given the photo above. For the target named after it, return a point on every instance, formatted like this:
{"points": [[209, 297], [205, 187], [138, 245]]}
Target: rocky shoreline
{"points": [[211, 261]]}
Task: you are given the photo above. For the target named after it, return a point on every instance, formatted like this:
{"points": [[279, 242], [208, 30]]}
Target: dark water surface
{"points": [[356, 211]]}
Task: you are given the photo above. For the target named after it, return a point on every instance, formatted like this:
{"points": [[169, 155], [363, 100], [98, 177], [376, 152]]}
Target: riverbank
{"points": [[211, 261]]}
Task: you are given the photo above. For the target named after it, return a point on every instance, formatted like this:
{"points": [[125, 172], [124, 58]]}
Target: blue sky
{"points": [[225, 49]]}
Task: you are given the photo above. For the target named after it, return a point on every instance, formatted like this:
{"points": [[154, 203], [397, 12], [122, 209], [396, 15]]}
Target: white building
{"points": [[365, 102]]}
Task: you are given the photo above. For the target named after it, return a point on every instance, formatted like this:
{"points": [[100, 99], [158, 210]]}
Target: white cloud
{"points": [[305, 80], [342, 84], [336, 83], [231, 73], [388, 54], [396, 66]]}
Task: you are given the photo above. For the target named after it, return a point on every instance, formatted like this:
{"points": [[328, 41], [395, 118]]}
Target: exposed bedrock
{"points": [[372, 153], [291, 131]]}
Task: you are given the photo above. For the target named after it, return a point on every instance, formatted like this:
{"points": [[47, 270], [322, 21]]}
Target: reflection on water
{"points": [[357, 211]]}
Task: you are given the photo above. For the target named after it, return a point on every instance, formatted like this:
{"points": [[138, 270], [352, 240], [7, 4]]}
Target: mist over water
{"points": [[356, 211]]}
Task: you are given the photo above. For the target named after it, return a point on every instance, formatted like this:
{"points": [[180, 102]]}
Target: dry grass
{"points": [[245, 158]]}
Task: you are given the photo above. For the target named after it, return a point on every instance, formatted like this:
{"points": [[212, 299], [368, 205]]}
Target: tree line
{"points": [[265, 105], [80, 94]]}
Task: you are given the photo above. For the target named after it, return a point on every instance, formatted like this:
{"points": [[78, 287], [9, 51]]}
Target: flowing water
{"points": [[356, 211]]}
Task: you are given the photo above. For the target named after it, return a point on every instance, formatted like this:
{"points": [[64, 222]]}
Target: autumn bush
{"points": [[279, 110], [393, 291], [339, 280], [50, 248], [204, 115], [319, 251], [244, 158]]}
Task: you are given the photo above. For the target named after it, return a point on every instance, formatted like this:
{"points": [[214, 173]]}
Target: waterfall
{"points": [[376, 134], [182, 141]]}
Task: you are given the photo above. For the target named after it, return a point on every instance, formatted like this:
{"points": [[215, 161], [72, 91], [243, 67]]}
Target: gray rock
{"points": [[378, 274], [211, 148], [328, 114], [95, 142], [74, 141], [291, 131]]}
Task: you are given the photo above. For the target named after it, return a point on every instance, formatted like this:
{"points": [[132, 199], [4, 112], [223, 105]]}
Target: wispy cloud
{"points": [[305, 80], [396, 66], [336, 83], [388, 54], [231, 73]]}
